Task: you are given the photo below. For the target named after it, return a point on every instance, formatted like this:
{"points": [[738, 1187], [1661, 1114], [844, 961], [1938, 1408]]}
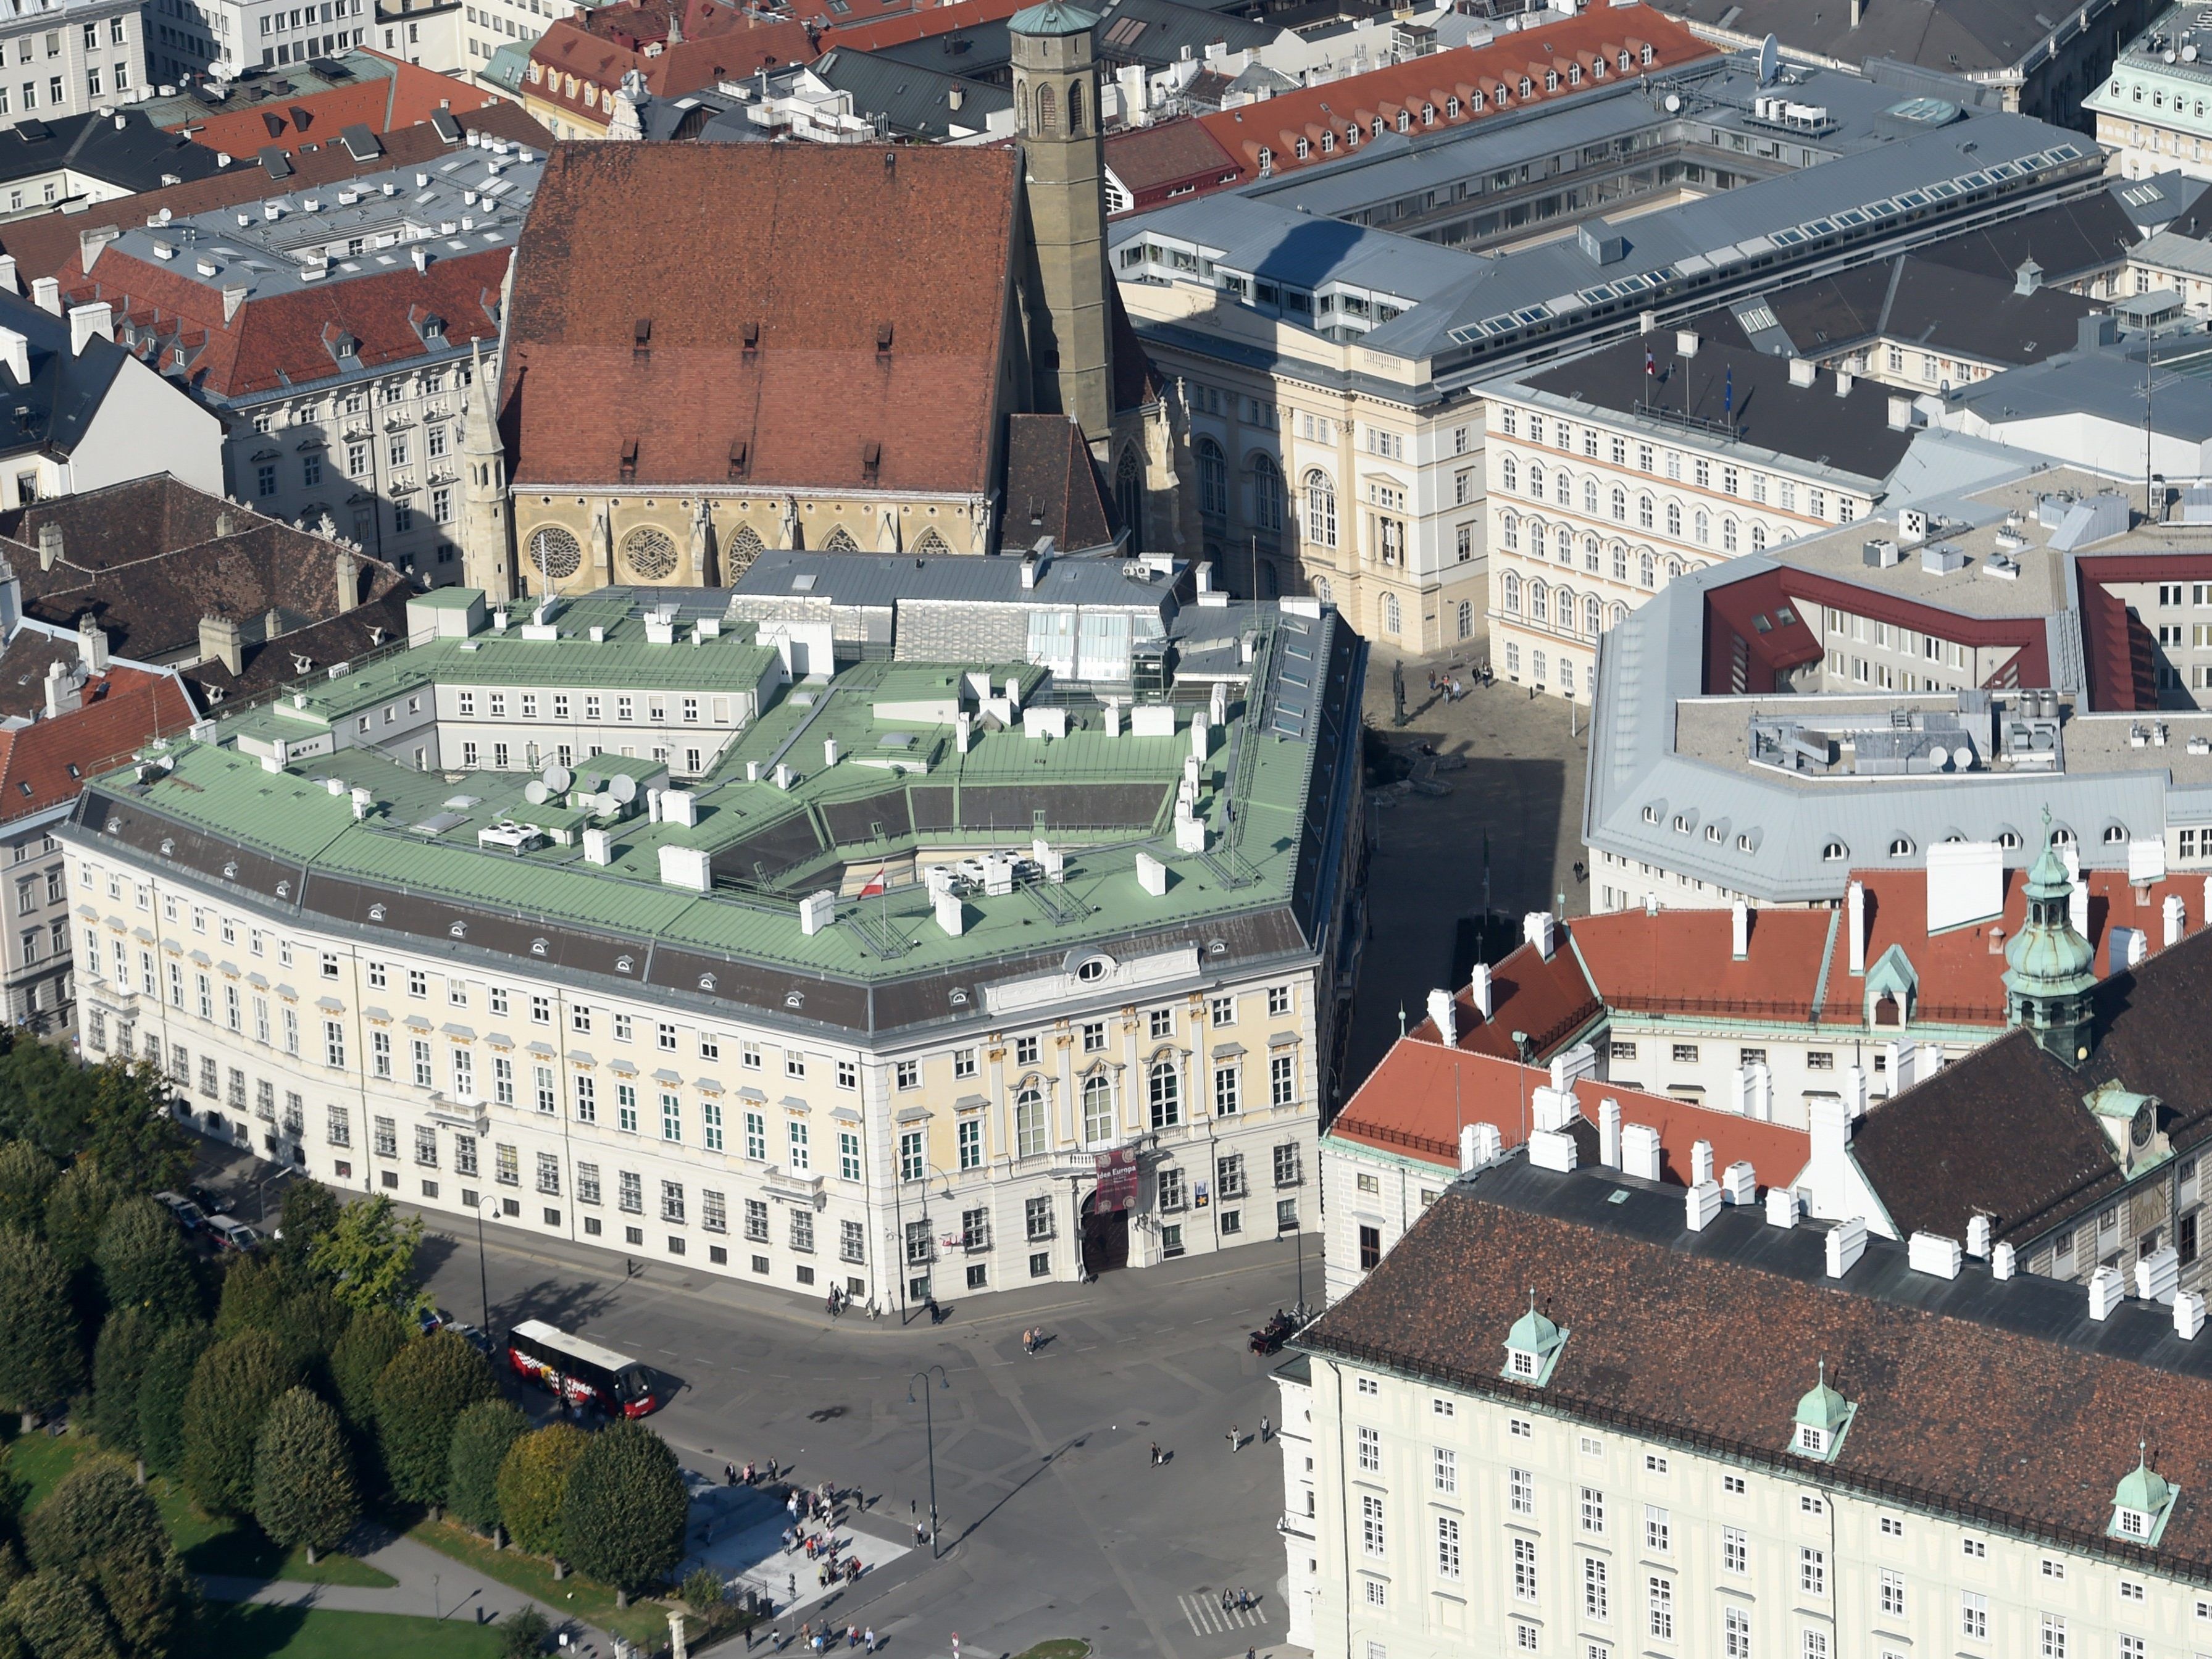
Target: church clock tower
{"points": [[1064, 175]]}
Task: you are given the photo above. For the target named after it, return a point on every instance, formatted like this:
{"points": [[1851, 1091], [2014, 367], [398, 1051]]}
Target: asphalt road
{"points": [[1055, 1523]]}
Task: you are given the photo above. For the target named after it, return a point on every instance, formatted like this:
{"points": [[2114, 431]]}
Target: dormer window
{"points": [[1824, 1417], [1532, 1347], [2142, 1503]]}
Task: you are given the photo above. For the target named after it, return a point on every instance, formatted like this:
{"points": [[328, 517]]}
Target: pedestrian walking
{"points": [[1263, 1429], [852, 1636], [1235, 1439], [794, 1587], [1155, 1453], [1224, 1598], [868, 1640]]}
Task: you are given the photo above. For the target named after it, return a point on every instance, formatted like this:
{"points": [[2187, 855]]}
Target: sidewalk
{"points": [[737, 1532], [431, 1586]]}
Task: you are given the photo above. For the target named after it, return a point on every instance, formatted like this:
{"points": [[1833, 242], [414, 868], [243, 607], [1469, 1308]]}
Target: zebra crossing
{"points": [[1209, 1618]]}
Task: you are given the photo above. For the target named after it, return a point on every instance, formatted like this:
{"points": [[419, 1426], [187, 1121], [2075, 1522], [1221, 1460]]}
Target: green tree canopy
{"points": [[368, 1257], [303, 1487], [311, 1211], [144, 1263], [26, 1180], [624, 1518], [482, 1438], [44, 1096], [57, 1616], [232, 1387], [534, 1485], [119, 1360], [276, 1296], [129, 1131], [75, 1212], [99, 1525], [161, 1393], [40, 1360], [421, 1393], [372, 1339]]}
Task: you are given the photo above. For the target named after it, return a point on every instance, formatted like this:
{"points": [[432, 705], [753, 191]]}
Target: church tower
{"points": [[487, 553], [2050, 969], [1064, 172]]}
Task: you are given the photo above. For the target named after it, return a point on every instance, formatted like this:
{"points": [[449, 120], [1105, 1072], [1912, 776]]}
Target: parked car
{"points": [[433, 1319], [189, 1215], [210, 1200], [476, 1339], [234, 1235]]}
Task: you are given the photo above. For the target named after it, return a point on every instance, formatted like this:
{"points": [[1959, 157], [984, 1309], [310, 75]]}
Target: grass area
{"points": [[1063, 1647], [643, 1621], [241, 1632], [207, 1543]]}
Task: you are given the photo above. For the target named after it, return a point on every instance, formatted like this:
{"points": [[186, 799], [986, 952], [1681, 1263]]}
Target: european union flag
{"points": [[1727, 393]]}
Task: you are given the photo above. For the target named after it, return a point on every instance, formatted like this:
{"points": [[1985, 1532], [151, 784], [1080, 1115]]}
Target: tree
{"points": [[75, 1212], [522, 1634], [99, 1525], [482, 1437], [311, 1211], [58, 1617], [144, 1263], [129, 1132], [371, 1341], [27, 1179], [534, 1485], [232, 1387], [276, 1296], [422, 1392], [369, 1257], [303, 1488], [624, 1518], [125, 1349], [161, 1393], [703, 1590], [40, 1360], [45, 1097]]}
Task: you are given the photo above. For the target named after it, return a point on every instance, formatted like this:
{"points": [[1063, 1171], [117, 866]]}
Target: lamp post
{"points": [[261, 1192], [483, 1275], [929, 1430]]}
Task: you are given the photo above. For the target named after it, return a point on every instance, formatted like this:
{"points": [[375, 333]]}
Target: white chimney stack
{"points": [[1442, 1012], [2188, 1316], [817, 911], [2158, 1275], [1855, 1093], [1781, 1208], [1467, 1154], [1739, 930], [1550, 1108], [1552, 1149], [2077, 904], [1479, 989], [1540, 929], [2004, 1261], [599, 847], [2176, 918], [952, 914], [1639, 1152], [1151, 875], [1855, 919], [1932, 1253], [1700, 1204], [1740, 1183], [1701, 1162], [1846, 1243], [2106, 1290], [1978, 1237], [1608, 1132]]}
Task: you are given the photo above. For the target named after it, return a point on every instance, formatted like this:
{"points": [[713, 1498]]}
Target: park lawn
{"points": [[644, 1621], [241, 1631], [207, 1543]]}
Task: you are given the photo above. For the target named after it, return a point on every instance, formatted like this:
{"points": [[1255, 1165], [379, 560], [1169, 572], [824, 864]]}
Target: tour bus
{"points": [[582, 1372]]}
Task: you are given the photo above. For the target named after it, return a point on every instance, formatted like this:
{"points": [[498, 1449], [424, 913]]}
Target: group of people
{"points": [[1236, 1600], [824, 1638], [732, 1475], [813, 1528], [837, 1301], [1032, 1340]]}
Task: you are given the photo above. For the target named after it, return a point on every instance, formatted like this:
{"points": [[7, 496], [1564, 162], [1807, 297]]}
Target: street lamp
{"points": [[484, 1276], [929, 1429], [261, 1192]]}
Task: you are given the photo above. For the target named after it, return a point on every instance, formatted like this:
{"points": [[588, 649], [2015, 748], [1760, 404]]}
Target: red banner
{"points": [[1117, 1181]]}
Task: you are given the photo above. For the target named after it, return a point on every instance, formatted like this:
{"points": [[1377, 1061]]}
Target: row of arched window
{"points": [[1213, 493], [1047, 111], [1696, 524], [1033, 1123], [1558, 608], [1538, 540]]}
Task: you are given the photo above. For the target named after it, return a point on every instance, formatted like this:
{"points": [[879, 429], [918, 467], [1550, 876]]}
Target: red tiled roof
{"points": [[1415, 1101], [1550, 1002], [286, 338], [1679, 961], [408, 94], [719, 43], [1154, 163], [886, 334], [2029, 665], [923, 23], [1584, 51], [122, 709], [2123, 661], [43, 243], [1753, 633]]}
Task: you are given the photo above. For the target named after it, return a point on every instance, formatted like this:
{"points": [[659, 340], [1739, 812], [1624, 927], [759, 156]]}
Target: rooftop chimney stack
{"points": [[1900, 414], [1639, 1152], [50, 554], [1978, 1237], [1781, 1208], [1855, 920], [1480, 991], [1540, 929], [1739, 1184], [91, 645], [1843, 383], [1608, 1132], [2004, 1261], [62, 693], [2108, 1290], [1442, 1012], [223, 641], [1846, 1243], [1739, 930], [88, 322], [2174, 915], [1802, 372], [1701, 1162], [1700, 1204], [2188, 1316]]}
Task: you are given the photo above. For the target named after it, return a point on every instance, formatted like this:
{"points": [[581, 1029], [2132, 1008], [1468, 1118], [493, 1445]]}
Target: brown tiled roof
{"points": [[147, 560], [2004, 1132], [1415, 1100], [1053, 487], [407, 95], [378, 622], [1551, 1002], [1981, 1401], [921, 23], [1150, 162], [1680, 961], [286, 338], [875, 282], [45, 763], [719, 42], [43, 243]]}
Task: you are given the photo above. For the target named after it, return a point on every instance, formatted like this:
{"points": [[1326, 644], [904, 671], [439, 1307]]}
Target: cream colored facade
{"points": [[1469, 1526], [1334, 473], [1592, 511], [950, 1167]]}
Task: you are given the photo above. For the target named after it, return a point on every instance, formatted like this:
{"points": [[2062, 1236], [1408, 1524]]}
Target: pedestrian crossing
{"points": [[1209, 1618]]}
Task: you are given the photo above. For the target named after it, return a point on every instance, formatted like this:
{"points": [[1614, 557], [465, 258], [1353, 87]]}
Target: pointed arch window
{"points": [[1047, 114], [1074, 110], [1129, 497]]}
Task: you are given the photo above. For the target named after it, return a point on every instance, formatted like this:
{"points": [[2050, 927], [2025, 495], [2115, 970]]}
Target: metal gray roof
{"points": [[885, 578], [2106, 382], [915, 99]]}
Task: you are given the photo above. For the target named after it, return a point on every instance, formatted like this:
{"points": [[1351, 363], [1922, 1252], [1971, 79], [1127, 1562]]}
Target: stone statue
{"points": [[327, 528]]}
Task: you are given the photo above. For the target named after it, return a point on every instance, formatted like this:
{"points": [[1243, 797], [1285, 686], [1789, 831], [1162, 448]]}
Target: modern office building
{"points": [[628, 921]]}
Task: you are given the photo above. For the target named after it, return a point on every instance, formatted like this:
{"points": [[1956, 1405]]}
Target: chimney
{"points": [[1855, 1093], [2158, 1275], [89, 243], [1549, 1108], [1802, 372], [2107, 1289], [1739, 930], [87, 321], [1933, 1255], [1479, 989], [221, 640], [599, 847], [49, 545], [91, 645], [1781, 1208], [1759, 1092], [61, 693], [2174, 918], [1700, 1204], [46, 295], [1846, 1243], [2188, 1316], [347, 573], [1442, 1011], [1478, 1144], [1552, 1149], [7, 280], [1843, 383], [1740, 1183], [1978, 1237], [1639, 1152], [1855, 920], [1608, 1132], [2004, 1261], [1857, 11], [1701, 1162], [223, 524], [1900, 414], [1540, 929], [15, 352], [1831, 1183], [1205, 576], [11, 600]]}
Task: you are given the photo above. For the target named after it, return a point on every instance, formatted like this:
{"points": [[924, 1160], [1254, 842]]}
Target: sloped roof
{"points": [[122, 150], [45, 763], [374, 624], [1550, 1001], [699, 242], [401, 96], [1053, 487], [66, 388], [713, 42], [1158, 158], [916, 101]]}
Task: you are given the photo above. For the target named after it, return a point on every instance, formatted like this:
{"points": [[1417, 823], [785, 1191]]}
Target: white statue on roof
{"points": [[628, 99]]}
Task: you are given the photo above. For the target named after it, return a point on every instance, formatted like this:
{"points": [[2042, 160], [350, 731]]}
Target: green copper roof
{"points": [[1053, 18], [2141, 1488], [2111, 1098], [1533, 1332], [1822, 1407]]}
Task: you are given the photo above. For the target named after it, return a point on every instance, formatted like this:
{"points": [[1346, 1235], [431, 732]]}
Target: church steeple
{"points": [[2049, 966], [487, 555]]}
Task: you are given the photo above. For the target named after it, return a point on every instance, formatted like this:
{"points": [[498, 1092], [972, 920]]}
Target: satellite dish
{"points": [[1939, 756], [623, 789], [536, 792], [1770, 60], [606, 805], [558, 779], [588, 781], [1674, 103]]}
